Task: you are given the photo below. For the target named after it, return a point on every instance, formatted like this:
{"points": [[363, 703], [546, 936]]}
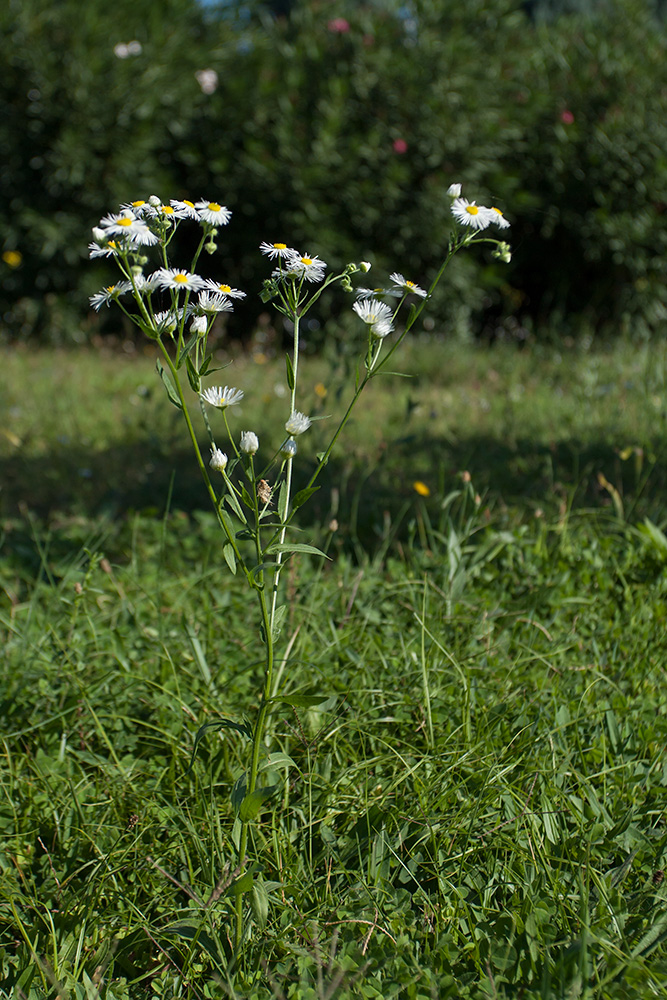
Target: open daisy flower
{"points": [[222, 398], [126, 224], [497, 218], [404, 285], [310, 268], [211, 211], [172, 277], [469, 214], [277, 250]]}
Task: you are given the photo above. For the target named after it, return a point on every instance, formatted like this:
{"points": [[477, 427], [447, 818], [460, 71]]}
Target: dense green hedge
{"points": [[339, 129]]}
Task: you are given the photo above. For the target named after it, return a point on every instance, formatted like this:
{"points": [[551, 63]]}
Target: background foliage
{"points": [[339, 128]]}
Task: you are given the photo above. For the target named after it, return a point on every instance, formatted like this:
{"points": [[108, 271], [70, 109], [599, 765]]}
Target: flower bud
{"points": [[99, 235], [199, 325], [154, 201], [289, 448], [218, 460], [454, 191], [365, 266], [503, 252], [210, 247], [249, 442]]}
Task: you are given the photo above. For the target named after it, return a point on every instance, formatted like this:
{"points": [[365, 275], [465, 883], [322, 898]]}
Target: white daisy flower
{"points": [[222, 398], [165, 322], [211, 211], [469, 214], [381, 329], [184, 209], [128, 225], [273, 250], [171, 277], [232, 293], [297, 423], [214, 303], [310, 268], [498, 218], [407, 286], [371, 311], [109, 249], [146, 284], [371, 293], [454, 190], [137, 208], [218, 460], [108, 294], [249, 442]]}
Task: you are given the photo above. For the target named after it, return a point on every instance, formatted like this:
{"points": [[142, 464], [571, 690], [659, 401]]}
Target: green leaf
{"points": [[295, 547], [193, 375], [275, 760], [186, 349], [247, 499], [290, 372], [253, 802], [322, 460], [242, 728], [301, 700], [240, 885], [230, 556], [168, 384], [282, 501], [259, 902], [278, 620], [303, 495], [232, 501], [237, 794]]}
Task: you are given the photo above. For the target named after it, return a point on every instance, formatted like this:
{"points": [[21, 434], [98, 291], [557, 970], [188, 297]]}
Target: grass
{"points": [[476, 811]]}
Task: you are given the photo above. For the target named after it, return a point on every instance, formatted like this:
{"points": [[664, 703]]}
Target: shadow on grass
{"points": [[363, 495]]}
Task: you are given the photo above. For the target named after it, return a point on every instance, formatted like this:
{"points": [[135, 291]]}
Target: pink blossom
{"points": [[400, 146], [566, 117], [338, 25]]}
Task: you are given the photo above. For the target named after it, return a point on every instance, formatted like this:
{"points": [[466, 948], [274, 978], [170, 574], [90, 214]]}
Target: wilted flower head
{"points": [[222, 398], [249, 442], [297, 423]]}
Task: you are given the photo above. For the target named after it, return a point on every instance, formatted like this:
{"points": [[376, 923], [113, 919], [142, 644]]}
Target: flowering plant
{"points": [[254, 500]]}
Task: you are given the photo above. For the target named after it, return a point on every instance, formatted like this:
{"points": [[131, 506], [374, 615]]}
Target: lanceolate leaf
{"points": [[168, 384], [295, 547], [300, 498]]}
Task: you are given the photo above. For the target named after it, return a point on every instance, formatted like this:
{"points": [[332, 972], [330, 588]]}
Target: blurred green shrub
{"points": [[338, 129]]}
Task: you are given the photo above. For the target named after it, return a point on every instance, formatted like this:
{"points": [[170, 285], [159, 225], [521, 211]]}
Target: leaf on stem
{"points": [[230, 556], [232, 501], [303, 495], [253, 802], [290, 372], [300, 700], [278, 619], [243, 728], [193, 375], [295, 547], [186, 349], [283, 497], [168, 384], [276, 760]]}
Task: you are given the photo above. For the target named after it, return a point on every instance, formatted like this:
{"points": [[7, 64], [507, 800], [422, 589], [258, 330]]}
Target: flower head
{"points": [[199, 325], [211, 211], [222, 398], [297, 423], [454, 190], [126, 224], [310, 268], [498, 218], [184, 209], [273, 250], [407, 286], [214, 303], [172, 277], [249, 442], [223, 289], [289, 448], [469, 214], [372, 311], [218, 460], [109, 294]]}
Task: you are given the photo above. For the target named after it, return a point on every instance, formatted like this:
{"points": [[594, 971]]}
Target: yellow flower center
{"points": [[307, 261], [225, 288], [112, 244], [167, 210], [410, 284], [421, 488], [472, 210], [125, 221], [110, 288], [189, 204], [181, 279], [138, 204], [494, 209], [279, 246], [214, 207]]}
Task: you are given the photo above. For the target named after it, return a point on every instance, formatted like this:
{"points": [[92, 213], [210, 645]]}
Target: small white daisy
{"points": [[184, 209], [211, 211], [297, 423], [165, 322], [407, 286], [273, 250], [249, 442], [469, 214], [108, 294], [109, 249], [218, 460], [381, 328], [371, 293], [221, 288], [310, 268], [371, 311], [498, 218], [128, 225], [222, 398], [171, 277], [214, 303]]}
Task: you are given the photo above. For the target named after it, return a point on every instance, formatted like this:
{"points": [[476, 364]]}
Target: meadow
{"points": [[472, 807]]}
